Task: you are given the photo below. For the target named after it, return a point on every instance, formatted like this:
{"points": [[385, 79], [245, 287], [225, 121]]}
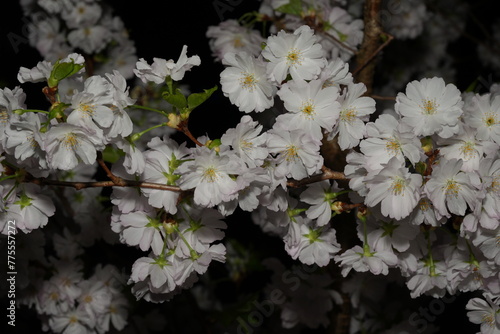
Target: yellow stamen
{"points": [[245, 145], [4, 115], [424, 204], [348, 115], [452, 188], [294, 57], [488, 319], [33, 142], [248, 81], [88, 110], [291, 153], [495, 185], [327, 83], [210, 175], [87, 299], [393, 146], [70, 141], [237, 43], [308, 108], [398, 186], [468, 151], [429, 107], [490, 119]]}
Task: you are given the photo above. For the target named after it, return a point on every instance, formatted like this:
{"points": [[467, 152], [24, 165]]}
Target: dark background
{"points": [[161, 32]]}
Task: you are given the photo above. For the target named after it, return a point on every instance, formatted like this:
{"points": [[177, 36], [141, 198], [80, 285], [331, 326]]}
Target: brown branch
{"points": [[117, 181], [370, 46], [338, 41], [184, 129], [327, 174], [377, 51], [101, 184], [387, 98]]}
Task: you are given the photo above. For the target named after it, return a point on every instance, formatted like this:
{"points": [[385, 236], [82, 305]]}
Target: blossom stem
{"points": [[149, 109], [9, 177], [10, 192], [184, 129], [138, 135], [191, 250], [22, 111], [430, 259]]}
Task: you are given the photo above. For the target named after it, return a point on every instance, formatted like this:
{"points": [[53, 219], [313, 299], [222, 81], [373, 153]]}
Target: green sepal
{"points": [[421, 167], [57, 110], [196, 99], [112, 154], [61, 71], [294, 7], [214, 143], [176, 99], [472, 87]]}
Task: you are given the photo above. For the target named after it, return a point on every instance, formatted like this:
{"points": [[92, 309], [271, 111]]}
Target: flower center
{"points": [[424, 204], [70, 141], [308, 108], [490, 119], [398, 186], [348, 115], [291, 153], [294, 57], [248, 81], [393, 146], [87, 299], [327, 83], [237, 43], [452, 188], [488, 319], [210, 174], [468, 151], [4, 116], [33, 142], [245, 145], [88, 110], [429, 107]]}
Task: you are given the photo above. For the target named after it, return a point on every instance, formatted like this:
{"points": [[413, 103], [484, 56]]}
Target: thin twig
{"points": [[184, 129], [336, 40], [101, 184], [327, 174], [116, 180], [377, 51], [387, 98]]}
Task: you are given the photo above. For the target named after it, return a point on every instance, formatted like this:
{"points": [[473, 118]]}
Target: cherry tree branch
{"points": [[327, 174], [101, 184], [371, 45]]}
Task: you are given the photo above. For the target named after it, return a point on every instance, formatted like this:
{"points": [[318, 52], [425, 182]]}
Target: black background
{"points": [[160, 29]]}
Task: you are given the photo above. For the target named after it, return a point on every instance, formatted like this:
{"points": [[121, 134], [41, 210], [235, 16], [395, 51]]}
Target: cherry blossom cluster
{"points": [[58, 28], [420, 186]]}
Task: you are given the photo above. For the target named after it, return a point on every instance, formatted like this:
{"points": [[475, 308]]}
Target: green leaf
{"points": [[196, 99], [294, 7], [176, 99], [61, 71]]}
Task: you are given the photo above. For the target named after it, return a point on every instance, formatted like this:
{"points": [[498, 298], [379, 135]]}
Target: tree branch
{"points": [[327, 174], [101, 184], [371, 45]]}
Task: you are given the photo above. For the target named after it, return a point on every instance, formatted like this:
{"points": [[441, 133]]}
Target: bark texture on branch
{"points": [[372, 41]]}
